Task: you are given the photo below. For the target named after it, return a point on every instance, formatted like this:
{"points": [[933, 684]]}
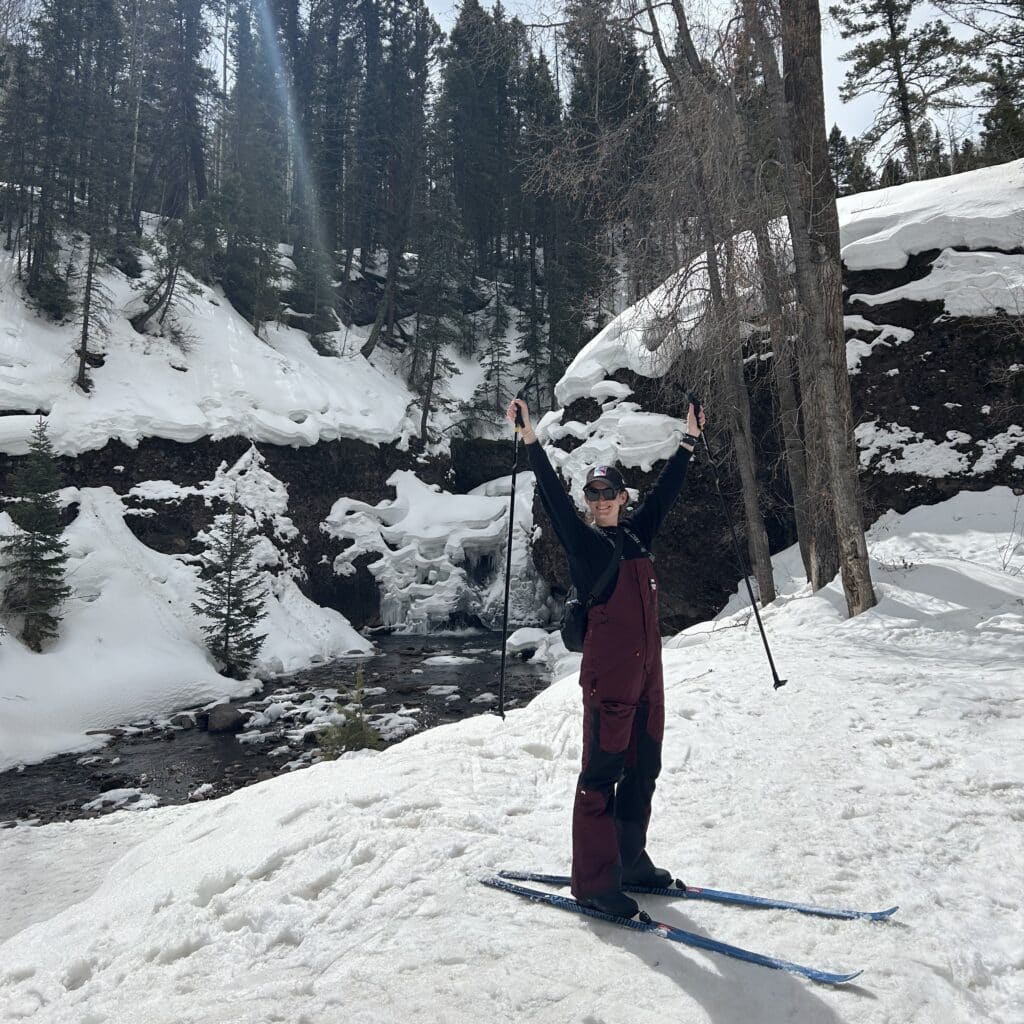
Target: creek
{"points": [[412, 683]]}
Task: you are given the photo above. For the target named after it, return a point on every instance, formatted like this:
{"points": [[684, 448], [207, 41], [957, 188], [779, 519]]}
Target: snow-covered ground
{"points": [[890, 769]]}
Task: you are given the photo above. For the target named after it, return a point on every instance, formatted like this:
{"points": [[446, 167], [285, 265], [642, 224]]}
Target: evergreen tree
{"points": [[35, 558], [411, 36], [932, 156], [839, 159], [1002, 136], [850, 168], [496, 389], [966, 157], [443, 271], [541, 127], [916, 71], [610, 130], [860, 176], [892, 173], [254, 195], [232, 595]]}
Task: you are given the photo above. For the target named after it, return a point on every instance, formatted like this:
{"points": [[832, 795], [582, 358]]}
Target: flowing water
{"points": [[413, 683]]}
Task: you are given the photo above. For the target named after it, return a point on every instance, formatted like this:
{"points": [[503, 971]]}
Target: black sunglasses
{"points": [[592, 493]]}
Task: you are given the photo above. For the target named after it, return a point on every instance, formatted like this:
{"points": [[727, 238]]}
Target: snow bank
{"points": [[975, 210], [623, 434], [888, 770], [880, 229], [228, 382], [894, 448], [130, 647]]}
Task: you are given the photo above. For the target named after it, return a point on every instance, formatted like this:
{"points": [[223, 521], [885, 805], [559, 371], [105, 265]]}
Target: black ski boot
{"points": [[643, 872], [612, 902]]}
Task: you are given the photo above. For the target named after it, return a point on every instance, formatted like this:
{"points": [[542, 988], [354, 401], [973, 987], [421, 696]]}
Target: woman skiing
{"points": [[621, 673]]}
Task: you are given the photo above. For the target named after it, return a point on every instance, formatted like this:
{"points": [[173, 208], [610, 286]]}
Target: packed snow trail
{"points": [[889, 769]]}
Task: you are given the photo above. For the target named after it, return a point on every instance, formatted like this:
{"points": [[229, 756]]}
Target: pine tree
{"points": [[892, 174], [916, 71], [966, 157], [860, 175], [496, 389], [932, 156], [254, 196], [35, 558], [443, 270], [232, 595], [839, 159], [1002, 137]]}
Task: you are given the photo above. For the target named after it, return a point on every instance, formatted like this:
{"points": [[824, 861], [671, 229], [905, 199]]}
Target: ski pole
{"points": [[736, 545], [508, 557]]}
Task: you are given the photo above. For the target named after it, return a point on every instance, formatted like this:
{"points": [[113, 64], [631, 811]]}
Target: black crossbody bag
{"points": [[577, 607]]}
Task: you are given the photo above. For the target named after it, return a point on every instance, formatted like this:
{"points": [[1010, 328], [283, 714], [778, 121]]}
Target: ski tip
{"points": [[840, 979], [882, 915]]}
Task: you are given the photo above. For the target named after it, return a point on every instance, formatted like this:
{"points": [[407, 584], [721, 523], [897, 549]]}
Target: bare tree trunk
{"points": [[428, 392], [789, 413], [738, 401], [382, 310], [814, 229], [737, 398], [82, 376], [738, 404], [343, 292], [796, 455]]}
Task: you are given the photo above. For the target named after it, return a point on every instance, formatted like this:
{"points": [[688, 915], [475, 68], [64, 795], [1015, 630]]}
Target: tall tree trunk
{"points": [[896, 36], [814, 228], [796, 454], [82, 376], [789, 415], [428, 391], [382, 310], [738, 404]]}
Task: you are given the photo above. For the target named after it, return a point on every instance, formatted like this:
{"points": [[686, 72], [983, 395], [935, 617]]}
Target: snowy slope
{"points": [[229, 382], [889, 769]]}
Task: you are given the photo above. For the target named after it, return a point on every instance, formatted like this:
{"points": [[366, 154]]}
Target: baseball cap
{"points": [[609, 474]]}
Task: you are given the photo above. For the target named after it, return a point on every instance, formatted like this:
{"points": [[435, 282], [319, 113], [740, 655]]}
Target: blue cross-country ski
{"points": [[692, 892], [666, 931]]}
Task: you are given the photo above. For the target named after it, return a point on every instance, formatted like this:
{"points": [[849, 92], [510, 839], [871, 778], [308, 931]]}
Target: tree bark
{"points": [[814, 228], [82, 376]]}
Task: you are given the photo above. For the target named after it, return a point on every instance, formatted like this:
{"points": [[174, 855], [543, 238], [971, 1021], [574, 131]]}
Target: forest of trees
{"points": [[354, 132], [445, 191]]}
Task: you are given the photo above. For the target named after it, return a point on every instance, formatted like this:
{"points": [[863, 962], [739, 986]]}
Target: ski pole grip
{"points": [[519, 413]]}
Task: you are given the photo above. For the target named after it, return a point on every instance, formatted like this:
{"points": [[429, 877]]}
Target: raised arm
{"points": [[647, 519], [569, 528]]}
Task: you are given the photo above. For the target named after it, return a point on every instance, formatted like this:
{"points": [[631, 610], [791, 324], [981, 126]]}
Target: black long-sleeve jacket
{"points": [[588, 553]]}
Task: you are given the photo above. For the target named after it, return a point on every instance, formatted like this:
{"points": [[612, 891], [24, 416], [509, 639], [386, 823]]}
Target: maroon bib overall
{"points": [[623, 726]]}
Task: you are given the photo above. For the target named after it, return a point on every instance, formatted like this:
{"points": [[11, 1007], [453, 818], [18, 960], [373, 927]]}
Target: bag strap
{"points": [[638, 542], [605, 578]]}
